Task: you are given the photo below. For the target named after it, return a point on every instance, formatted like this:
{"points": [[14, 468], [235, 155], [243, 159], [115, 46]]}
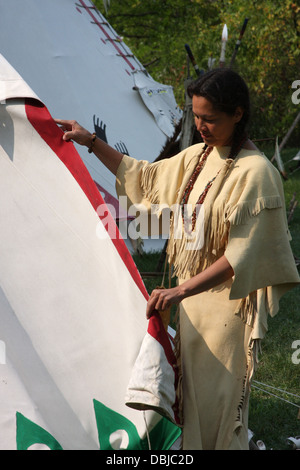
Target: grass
{"points": [[271, 419]]}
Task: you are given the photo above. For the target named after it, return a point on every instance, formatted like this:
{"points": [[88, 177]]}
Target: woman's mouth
{"points": [[205, 136]]}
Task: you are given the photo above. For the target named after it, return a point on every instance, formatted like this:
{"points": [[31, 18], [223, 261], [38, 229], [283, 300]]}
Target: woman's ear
{"points": [[238, 114]]}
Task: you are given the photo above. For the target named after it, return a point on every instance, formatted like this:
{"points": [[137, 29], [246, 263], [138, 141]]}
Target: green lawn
{"points": [[271, 419]]}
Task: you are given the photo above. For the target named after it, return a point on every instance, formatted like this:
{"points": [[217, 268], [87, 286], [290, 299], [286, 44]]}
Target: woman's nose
{"points": [[200, 125]]}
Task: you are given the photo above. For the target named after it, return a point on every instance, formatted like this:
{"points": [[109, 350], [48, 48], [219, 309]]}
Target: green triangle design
{"points": [[161, 437], [29, 433], [108, 422], [164, 434]]}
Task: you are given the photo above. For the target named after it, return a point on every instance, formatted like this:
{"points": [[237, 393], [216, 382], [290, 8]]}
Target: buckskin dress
{"points": [[243, 218]]}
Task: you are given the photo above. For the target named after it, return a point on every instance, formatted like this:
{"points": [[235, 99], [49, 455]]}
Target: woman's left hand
{"points": [[219, 272], [162, 299]]}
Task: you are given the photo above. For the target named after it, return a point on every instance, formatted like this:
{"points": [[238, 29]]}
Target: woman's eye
{"points": [[210, 121]]}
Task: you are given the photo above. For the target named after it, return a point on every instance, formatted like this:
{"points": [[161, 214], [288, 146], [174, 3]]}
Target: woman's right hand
{"points": [[74, 131], [109, 156]]}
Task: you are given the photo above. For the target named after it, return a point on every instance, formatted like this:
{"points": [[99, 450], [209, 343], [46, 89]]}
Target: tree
{"points": [[268, 58]]}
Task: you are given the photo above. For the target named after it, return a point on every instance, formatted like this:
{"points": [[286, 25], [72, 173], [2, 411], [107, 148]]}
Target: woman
{"points": [[231, 255]]}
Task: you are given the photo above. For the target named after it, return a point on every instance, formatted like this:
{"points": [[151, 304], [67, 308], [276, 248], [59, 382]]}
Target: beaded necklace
{"points": [[203, 157]]}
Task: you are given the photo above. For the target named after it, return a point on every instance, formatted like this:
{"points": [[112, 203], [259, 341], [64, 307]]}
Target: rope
{"points": [[279, 389], [276, 396]]}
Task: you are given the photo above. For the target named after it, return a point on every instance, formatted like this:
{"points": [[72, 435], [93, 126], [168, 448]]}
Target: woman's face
{"points": [[216, 127]]}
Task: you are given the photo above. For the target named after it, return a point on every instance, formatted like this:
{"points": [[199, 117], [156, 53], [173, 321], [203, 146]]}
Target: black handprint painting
{"points": [[100, 130], [121, 147]]}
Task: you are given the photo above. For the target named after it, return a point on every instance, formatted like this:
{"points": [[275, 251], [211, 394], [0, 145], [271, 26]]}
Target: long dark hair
{"points": [[226, 90]]}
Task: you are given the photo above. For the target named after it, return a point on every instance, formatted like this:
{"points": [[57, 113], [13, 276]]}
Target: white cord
{"points": [[274, 388], [261, 389], [147, 432]]}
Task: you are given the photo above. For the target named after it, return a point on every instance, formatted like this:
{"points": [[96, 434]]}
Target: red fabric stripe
{"points": [[40, 118], [158, 332], [107, 35]]}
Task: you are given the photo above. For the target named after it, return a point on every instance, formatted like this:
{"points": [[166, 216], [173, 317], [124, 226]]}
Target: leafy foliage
{"points": [[268, 58]]}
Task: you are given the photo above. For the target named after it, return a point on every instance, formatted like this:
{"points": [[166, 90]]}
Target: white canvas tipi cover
{"points": [[76, 63], [72, 303]]}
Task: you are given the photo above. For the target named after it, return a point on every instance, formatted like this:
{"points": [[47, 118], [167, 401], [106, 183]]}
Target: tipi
{"points": [[76, 63], [72, 303]]}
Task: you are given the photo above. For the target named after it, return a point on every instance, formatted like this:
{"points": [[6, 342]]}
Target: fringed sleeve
{"points": [[259, 241], [154, 183], [259, 250]]}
